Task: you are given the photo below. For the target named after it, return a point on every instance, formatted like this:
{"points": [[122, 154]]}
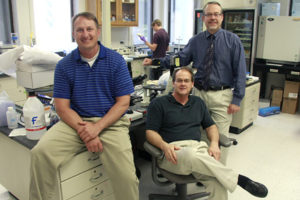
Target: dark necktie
{"points": [[208, 62]]}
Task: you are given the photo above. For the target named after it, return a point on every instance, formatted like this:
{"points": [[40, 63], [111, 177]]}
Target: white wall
{"points": [[159, 7], [119, 34], [23, 21], [79, 6]]}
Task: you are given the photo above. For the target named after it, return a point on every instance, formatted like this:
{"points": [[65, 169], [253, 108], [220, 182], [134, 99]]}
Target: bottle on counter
{"points": [[5, 102], [12, 118], [34, 117]]}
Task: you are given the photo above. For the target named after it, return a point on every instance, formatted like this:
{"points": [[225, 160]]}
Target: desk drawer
{"points": [[251, 93], [80, 163], [250, 100], [102, 191], [82, 182]]}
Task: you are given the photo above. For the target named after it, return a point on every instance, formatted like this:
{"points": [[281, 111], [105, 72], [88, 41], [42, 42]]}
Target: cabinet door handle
{"points": [[93, 157], [95, 178], [97, 196]]}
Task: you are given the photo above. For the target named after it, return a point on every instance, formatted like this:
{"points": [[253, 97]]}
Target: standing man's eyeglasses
{"points": [[213, 14]]}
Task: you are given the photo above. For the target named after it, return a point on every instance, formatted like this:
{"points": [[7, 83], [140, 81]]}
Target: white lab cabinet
{"points": [[83, 177], [248, 109]]}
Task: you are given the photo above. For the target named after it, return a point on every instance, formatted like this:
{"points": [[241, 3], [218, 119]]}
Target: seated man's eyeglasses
{"points": [[183, 80], [212, 14]]}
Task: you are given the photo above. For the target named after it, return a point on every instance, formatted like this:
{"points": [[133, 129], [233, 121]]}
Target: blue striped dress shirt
{"points": [[229, 61]]}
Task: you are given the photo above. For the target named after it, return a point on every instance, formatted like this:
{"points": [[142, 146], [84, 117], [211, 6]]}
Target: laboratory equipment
{"points": [[14, 39], [12, 118], [271, 45], [270, 9], [5, 102], [35, 76]]}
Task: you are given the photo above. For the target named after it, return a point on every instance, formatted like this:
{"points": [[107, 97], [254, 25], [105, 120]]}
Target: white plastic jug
{"points": [[34, 118], [5, 102]]}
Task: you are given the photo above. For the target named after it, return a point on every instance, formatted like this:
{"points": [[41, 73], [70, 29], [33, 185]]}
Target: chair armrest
{"points": [[224, 141], [154, 151]]}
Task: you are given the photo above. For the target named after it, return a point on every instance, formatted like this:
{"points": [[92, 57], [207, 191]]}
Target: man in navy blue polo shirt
{"points": [[173, 125], [92, 88]]}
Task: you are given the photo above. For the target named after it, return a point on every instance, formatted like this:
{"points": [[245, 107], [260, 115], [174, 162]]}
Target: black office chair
{"points": [[180, 181]]}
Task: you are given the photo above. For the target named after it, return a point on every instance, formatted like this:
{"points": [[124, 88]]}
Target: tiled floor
{"points": [[267, 152]]}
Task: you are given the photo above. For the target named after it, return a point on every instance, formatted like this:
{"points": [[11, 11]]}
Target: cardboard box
{"points": [[276, 103], [291, 89], [35, 80], [34, 76], [277, 94], [289, 105], [276, 97]]}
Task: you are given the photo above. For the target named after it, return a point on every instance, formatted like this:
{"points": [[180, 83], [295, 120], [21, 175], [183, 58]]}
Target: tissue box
{"points": [[34, 76]]}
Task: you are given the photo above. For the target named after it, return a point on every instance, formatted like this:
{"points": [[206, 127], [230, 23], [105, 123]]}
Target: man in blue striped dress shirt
{"points": [[92, 88]]}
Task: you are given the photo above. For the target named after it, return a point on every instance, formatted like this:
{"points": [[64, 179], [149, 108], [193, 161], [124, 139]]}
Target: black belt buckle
{"points": [[216, 88], [199, 86]]}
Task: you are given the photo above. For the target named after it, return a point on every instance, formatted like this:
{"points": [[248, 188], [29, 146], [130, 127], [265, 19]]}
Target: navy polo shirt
{"points": [[92, 91], [174, 121]]}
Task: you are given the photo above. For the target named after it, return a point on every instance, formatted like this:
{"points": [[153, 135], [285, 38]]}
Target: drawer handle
{"points": [[93, 157], [97, 196], [94, 179]]}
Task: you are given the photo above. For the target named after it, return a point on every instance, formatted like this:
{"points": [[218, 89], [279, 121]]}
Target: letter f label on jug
{"points": [[33, 120]]}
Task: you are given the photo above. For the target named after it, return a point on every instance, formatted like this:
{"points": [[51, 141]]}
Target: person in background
{"points": [[218, 56], [159, 47], [92, 88], [173, 125]]}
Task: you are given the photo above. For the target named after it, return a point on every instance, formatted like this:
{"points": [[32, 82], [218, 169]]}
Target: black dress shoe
{"points": [[256, 189], [138, 172], [199, 184]]}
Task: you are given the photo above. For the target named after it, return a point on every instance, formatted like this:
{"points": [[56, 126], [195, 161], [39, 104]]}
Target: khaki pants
{"points": [[193, 158], [217, 103], [62, 142]]}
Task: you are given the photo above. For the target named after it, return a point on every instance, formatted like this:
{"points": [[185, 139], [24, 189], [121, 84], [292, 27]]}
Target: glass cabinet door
{"points": [[129, 11], [198, 21], [113, 11], [241, 22], [122, 13]]}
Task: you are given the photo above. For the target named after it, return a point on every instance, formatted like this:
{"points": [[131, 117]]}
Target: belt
{"points": [[213, 88]]}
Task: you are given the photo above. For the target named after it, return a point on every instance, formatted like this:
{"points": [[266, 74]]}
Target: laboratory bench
{"points": [[135, 64], [83, 177], [15, 92], [261, 68]]}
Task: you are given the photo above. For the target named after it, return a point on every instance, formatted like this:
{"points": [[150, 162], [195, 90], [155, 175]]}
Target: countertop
{"points": [[19, 139]]}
